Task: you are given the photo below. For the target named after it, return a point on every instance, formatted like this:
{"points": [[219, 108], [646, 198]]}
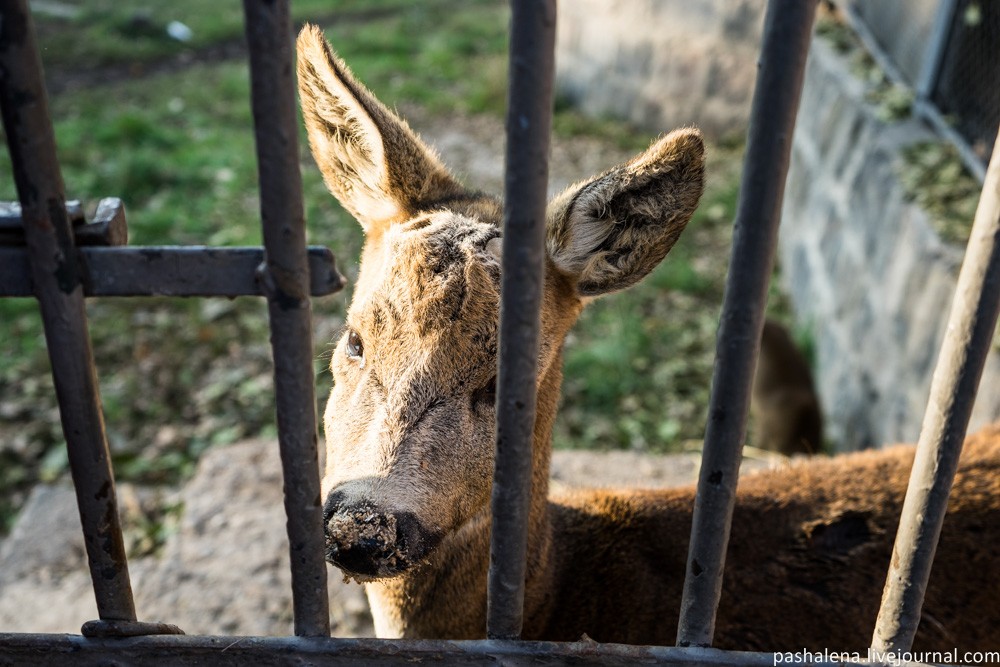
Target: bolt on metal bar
{"points": [[967, 342], [285, 279], [787, 29], [49, 240], [529, 117], [930, 68]]}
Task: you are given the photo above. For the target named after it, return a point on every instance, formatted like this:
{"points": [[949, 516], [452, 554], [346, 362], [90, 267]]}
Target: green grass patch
{"points": [[134, 32]]}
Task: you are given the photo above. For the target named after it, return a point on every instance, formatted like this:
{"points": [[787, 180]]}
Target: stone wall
{"points": [[866, 272], [661, 63]]}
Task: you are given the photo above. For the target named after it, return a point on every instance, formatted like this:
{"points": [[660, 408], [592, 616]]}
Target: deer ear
{"points": [[370, 159], [611, 231]]}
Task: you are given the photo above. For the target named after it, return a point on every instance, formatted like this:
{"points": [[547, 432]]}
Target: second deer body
{"points": [[410, 425]]}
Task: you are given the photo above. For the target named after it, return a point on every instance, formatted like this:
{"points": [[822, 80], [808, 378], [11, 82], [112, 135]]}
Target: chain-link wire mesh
{"points": [[967, 87], [948, 52]]}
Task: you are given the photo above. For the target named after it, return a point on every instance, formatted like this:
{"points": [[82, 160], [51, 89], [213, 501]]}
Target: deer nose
{"points": [[366, 541]]}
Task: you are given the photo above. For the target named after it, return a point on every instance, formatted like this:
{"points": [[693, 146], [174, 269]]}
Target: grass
{"points": [[175, 141]]}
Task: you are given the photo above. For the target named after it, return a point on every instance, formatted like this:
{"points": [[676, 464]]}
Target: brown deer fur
{"points": [[409, 425], [784, 407]]}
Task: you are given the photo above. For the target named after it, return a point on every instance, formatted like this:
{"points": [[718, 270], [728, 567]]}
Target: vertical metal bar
{"points": [[54, 271], [285, 278], [934, 53], [529, 117], [966, 345], [787, 29]]}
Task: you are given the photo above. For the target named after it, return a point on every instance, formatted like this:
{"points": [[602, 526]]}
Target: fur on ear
{"points": [[609, 232], [370, 159]]}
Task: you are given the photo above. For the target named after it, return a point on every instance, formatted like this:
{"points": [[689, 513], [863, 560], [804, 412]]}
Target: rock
{"points": [[224, 571]]}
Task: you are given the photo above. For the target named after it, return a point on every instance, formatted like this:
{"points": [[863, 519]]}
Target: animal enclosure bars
{"points": [[56, 266]]}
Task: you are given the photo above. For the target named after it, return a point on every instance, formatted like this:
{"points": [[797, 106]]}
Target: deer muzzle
{"points": [[368, 542]]}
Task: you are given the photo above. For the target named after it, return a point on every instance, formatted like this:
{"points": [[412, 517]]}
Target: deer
{"points": [[785, 408], [409, 425]]}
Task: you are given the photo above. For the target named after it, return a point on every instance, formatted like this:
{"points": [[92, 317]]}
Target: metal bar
{"points": [[108, 228], [529, 118], [926, 110], [285, 276], [49, 238], [787, 29], [28, 650], [930, 68], [169, 271], [10, 215], [967, 343], [120, 629], [871, 44]]}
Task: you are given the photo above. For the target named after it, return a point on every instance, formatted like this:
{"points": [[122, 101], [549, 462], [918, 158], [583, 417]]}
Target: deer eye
{"points": [[355, 348]]}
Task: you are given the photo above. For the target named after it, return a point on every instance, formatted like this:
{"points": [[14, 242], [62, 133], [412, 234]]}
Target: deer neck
{"points": [[446, 597]]}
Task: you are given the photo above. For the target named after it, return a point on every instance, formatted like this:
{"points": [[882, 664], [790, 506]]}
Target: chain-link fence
{"points": [[948, 52], [967, 86]]}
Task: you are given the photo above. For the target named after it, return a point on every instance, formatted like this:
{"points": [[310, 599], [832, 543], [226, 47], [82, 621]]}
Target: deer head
{"points": [[410, 421]]}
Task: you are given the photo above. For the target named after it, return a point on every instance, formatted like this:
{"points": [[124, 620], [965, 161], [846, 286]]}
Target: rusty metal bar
{"points": [[49, 239], [967, 342], [169, 271], [529, 118], [787, 29], [28, 650], [285, 277], [108, 227], [12, 229]]}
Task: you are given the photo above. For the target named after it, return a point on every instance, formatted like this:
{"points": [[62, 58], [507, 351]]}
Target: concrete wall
{"points": [[661, 63], [864, 268]]}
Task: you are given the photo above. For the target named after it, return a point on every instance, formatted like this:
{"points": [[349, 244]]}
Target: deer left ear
{"points": [[371, 160], [611, 231]]}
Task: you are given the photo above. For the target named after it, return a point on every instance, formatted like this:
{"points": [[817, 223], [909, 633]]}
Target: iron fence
{"points": [[59, 274]]}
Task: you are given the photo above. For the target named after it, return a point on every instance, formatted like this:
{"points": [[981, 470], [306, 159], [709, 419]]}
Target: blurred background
{"points": [[151, 104]]}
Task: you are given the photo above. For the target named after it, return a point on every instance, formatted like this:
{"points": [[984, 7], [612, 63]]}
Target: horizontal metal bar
{"points": [[28, 650], [10, 214], [50, 261], [108, 228], [967, 342], [287, 278], [169, 271], [787, 31], [120, 629], [529, 121]]}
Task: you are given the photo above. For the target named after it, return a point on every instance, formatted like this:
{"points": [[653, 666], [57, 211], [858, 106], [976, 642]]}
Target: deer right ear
{"points": [[370, 159], [609, 232]]}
